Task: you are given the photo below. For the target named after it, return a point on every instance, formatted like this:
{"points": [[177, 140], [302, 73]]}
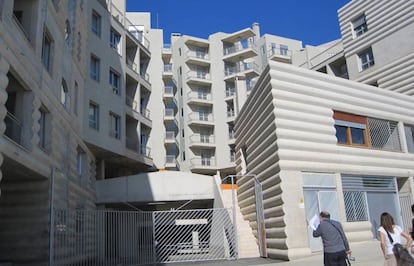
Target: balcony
{"points": [[250, 70], [202, 141], [145, 112], [239, 52], [169, 114], [203, 162], [280, 53], [168, 92], [132, 65], [201, 118], [166, 52], [171, 161], [198, 78], [200, 58], [168, 70], [230, 115], [130, 102], [199, 98], [170, 137], [145, 79]]}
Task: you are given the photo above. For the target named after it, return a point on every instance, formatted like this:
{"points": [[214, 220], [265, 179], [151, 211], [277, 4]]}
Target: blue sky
{"points": [[312, 21]]}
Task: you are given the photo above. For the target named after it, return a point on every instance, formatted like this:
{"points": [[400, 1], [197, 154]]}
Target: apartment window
{"points": [[284, 49], [93, 115], [47, 48], [409, 134], [76, 92], [115, 82], [44, 130], [366, 59], [351, 129], [95, 67], [115, 40], [81, 161], [359, 26], [115, 125], [96, 23], [64, 95]]}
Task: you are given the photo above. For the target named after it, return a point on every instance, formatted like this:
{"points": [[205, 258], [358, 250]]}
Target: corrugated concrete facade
{"points": [[287, 127]]}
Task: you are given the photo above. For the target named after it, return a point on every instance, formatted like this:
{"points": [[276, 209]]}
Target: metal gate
{"points": [[101, 238], [261, 230]]}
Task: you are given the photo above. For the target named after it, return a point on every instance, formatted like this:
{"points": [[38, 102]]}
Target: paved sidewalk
{"points": [[366, 253]]}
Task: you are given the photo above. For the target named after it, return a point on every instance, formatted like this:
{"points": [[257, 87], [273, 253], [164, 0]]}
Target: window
{"points": [[115, 40], [359, 26], [115, 82], [75, 105], [95, 67], [64, 95], [115, 126], [284, 49], [81, 162], [351, 129], [96, 23], [366, 59], [409, 134], [47, 47], [93, 115], [44, 130]]}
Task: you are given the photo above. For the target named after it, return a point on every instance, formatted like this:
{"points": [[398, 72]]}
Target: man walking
{"points": [[335, 243]]}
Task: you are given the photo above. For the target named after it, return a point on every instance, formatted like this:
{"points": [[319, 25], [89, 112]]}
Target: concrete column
{"points": [[4, 68]]}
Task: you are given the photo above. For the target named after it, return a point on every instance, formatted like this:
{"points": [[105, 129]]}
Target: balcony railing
{"points": [[198, 75], [200, 116], [197, 54], [230, 113], [232, 70], [203, 162], [145, 112], [170, 135], [146, 151], [170, 160], [13, 128], [132, 65], [169, 91], [168, 68], [230, 91], [129, 101], [199, 96], [169, 113], [238, 47], [202, 139]]}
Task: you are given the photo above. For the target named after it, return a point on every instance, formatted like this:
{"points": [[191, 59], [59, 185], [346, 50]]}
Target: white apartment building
{"points": [[205, 83]]}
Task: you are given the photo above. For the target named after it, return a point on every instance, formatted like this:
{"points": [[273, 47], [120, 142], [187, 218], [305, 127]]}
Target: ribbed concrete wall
{"points": [[287, 127]]}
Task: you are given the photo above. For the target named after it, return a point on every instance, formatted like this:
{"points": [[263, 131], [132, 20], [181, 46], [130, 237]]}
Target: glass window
{"points": [[96, 23], [366, 59], [93, 116], [115, 126], [115, 40], [409, 134], [359, 26], [351, 129], [44, 129], [64, 94], [47, 51], [115, 82], [95, 68], [284, 49]]}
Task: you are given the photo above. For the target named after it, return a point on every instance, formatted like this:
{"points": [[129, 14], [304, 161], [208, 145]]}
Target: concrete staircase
{"points": [[247, 242]]}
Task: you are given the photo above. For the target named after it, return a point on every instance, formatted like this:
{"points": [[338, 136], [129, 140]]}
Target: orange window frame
{"points": [[355, 119]]}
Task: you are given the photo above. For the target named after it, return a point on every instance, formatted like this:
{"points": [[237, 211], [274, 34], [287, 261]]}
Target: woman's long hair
{"points": [[387, 222]]}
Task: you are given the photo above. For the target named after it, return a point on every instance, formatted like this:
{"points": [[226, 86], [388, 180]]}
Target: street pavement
{"points": [[367, 253]]}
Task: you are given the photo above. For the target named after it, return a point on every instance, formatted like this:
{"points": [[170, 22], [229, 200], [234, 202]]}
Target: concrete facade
{"points": [[286, 135], [369, 28]]}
